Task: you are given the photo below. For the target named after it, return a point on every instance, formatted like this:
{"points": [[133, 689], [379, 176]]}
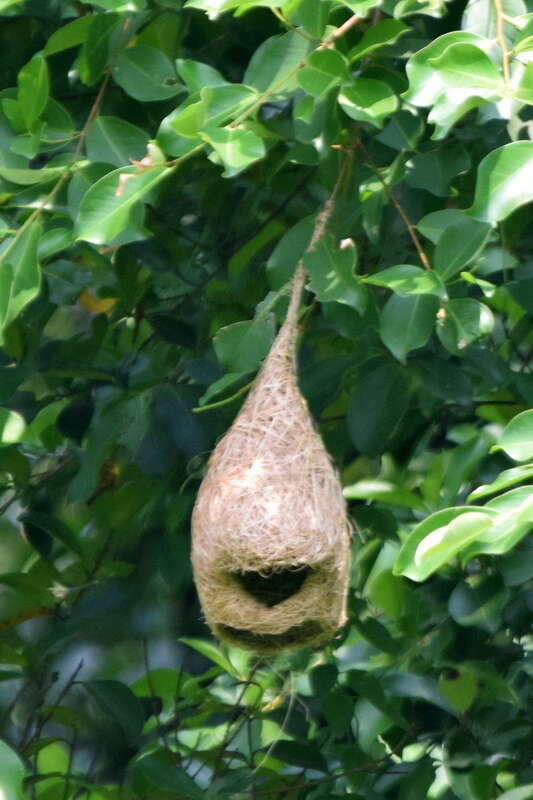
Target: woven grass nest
{"points": [[271, 539]]}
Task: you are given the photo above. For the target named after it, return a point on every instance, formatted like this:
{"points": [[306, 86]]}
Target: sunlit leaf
{"points": [[504, 182], [106, 207]]}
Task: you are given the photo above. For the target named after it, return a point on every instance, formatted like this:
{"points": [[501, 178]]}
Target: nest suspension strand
{"points": [[271, 537]]}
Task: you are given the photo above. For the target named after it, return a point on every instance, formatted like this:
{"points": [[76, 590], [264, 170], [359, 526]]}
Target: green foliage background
{"points": [[161, 168]]}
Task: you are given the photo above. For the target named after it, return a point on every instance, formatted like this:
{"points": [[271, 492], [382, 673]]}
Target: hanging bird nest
{"points": [[271, 538]]}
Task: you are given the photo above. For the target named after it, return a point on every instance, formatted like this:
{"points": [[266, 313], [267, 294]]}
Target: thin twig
{"points": [[397, 205], [500, 35], [341, 31]]}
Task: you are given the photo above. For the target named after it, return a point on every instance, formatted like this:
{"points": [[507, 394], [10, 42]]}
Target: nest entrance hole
{"points": [[270, 588], [270, 642]]}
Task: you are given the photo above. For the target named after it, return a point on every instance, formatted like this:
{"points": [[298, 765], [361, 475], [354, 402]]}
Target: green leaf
{"points": [[434, 170], [407, 322], [425, 81], [94, 53], [331, 273], [55, 528], [370, 723], [384, 589], [299, 754], [323, 678], [69, 35], [463, 321], [338, 709], [433, 225], [384, 491], [313, 17], [465, 66], [115, 141], [28, 177], [12, 773], [524, 792], [217, 105], [479, 605], [517, 438], [368, 100], [288, 251], [406, 280], [196, 75], [118, 704], [213, 653], [325, 69], [376, 408], [453, 104], [12, 426], [459, 244], [20, 276], [161, 770], [237, 148], [146, 74], [514, 521], [214, 8], [504, 480], [274, 65], [406, 563], [417, 687], [504, 182], [106, 206], [242, 346], [382, 33], [33, 83], [53, 241], [459, 686], [444, 543]]}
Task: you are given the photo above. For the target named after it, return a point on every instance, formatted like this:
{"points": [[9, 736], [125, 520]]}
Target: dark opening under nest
{"points": [[271, 588], [298, 635]]}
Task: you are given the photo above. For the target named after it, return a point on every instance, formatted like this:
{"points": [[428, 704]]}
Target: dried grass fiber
{"points": [[271, 538]]}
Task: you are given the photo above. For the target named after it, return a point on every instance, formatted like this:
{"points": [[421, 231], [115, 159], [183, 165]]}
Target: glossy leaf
{"points": [[507, 478], [241, 347], [115, 141], [382, 33], [406, 280], [213, 653], [237, 148], [458, 245], [376, 408], [146, 74], [480, 605], [94, 53], [331, 273], [504, 182], [69, 35], [440, 521], [162, 773], [12, 773], [106, 207], [464, 321], [407, 323], [324, 69], [368, 100], [20, 276], [517, 438], [275, 63], [33, 89]]}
